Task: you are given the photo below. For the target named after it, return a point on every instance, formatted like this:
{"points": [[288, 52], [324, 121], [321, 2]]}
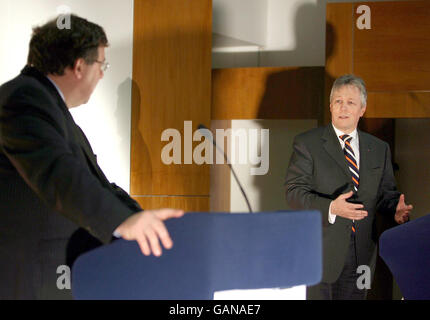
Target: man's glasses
{"points": [[104, 65]]}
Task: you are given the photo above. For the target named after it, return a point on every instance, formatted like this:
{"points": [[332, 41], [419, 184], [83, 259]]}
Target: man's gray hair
{"points": [[350, 80]]}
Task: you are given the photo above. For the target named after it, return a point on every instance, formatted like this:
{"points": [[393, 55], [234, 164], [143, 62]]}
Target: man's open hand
{"points": [[402, 210], [342, 208], [147, 228]]}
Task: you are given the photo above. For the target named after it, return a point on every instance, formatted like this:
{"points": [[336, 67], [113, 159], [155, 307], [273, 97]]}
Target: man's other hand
{"points": [[402, 210]]}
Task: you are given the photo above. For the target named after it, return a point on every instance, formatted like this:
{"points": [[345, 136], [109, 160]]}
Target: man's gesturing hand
{"points": [[342, 208], [402, 210], [147, 228]]}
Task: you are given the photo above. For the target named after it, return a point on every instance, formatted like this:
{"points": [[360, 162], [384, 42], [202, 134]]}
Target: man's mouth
{"points": [[343, 117]]}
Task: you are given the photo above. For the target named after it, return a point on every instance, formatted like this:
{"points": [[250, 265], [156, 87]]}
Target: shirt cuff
{"points": [[331, 217]]}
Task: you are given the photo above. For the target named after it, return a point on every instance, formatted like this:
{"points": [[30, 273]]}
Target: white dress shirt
{"points": [[355, 147]]}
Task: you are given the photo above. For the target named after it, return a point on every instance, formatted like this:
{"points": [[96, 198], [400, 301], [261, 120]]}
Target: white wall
{"points": [[295, 33], [106, 117], [266, 192], [241, 19]]}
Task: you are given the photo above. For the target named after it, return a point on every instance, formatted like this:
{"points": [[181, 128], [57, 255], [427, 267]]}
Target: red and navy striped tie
{"points": [[352, 164]]}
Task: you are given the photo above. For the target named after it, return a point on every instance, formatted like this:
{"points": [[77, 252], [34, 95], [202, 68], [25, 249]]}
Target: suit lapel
{"points": [[89, 154], [365, 157], [332, 147]]}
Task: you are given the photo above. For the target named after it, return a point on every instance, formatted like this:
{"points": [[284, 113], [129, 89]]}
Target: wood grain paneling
{"points": [[267, 93], [339, 46], [186, 203], [391, 57], [398, 105], [171, 84], [394, 54]]}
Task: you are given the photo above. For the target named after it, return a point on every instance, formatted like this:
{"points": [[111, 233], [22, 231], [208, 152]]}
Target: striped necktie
{"points": [[352, 162], [352, 165]]}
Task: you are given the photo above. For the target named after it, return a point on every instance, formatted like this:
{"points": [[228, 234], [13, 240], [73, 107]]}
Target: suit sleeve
{"points": [[118, 191], [388, 196], [299, 181], [33, 137], [125, 197]]}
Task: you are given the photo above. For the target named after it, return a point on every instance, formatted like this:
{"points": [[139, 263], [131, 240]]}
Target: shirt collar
{"points": [[58, 89], [339, 133]]}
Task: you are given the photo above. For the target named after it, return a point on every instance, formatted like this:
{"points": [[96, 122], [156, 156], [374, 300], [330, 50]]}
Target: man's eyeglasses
{"points": [[104, 65]]}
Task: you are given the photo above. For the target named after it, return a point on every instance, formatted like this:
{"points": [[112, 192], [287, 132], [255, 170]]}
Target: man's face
{"points": [[91, 74], [346, 108]]}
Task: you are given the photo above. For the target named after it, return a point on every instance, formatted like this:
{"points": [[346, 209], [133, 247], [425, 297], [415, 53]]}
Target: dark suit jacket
{"points": [[318, 173], [53, 195]]}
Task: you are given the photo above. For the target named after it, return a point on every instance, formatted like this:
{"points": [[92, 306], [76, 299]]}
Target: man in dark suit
{"points": [[55, 201], [347, 175]]}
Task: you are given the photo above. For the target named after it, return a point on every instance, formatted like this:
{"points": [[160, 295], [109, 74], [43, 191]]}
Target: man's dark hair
{"points": [[53, 49]]}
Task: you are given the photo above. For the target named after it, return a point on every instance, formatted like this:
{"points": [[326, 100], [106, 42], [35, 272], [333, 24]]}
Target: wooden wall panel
{"points": [[171, 84], [391, 57], [394, 54], [267, 93], [398, 105], [339, 41], [189, 204]]}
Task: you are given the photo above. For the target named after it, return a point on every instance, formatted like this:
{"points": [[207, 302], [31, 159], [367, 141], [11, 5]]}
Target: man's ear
{"points": [[78, 68], [363, 110]]}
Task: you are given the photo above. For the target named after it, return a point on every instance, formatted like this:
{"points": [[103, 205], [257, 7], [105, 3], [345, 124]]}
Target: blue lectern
{"points": [[406, 251], [211, 252]]}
